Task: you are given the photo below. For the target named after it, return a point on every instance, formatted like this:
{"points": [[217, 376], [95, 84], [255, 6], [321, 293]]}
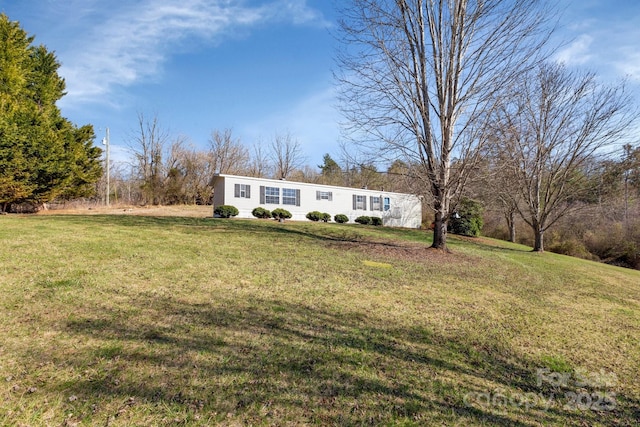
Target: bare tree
{"points": [[550, 127], [189, 173], [259, 164], [286, 154], [306, 174], [227, 154], [420, 77], [148, 146], [198, 171]]}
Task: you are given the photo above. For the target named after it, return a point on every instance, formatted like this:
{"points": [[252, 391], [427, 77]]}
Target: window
{"points": [[324, 195], [387, 204], [376, 203], [272, 195], [359, 202], [290, 196], [242, 191]]}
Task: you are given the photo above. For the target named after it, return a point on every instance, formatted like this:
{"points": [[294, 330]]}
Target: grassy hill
{"points": [[131, 320]]}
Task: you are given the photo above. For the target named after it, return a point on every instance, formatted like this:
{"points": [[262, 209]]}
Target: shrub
{"points": [[325, 217], [225, 211], [281, 214], [572, 247], [260, 212], [314, 216], [468, 221], [376, 220], [364, 220], [341, 218]]}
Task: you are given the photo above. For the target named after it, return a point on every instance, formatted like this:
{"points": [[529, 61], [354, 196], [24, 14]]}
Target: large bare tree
{"points": [[148, 145], [420, 77], [286, 154], [551, 126], [259, 164], [227, 154]]}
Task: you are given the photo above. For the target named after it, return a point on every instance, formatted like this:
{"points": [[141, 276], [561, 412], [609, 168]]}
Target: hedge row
{"points": [[228, 211]]}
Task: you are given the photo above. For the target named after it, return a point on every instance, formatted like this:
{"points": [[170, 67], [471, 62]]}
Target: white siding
{"points": [[405, 210]]}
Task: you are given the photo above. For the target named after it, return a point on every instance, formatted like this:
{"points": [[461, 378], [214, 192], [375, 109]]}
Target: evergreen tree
{"points": [[43, 156], [330, 172]]}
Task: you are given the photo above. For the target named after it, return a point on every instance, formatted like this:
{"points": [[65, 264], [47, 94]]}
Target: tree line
{"points": [[168, 170]]}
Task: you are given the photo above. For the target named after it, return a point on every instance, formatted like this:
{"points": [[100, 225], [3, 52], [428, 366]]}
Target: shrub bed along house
{"points": [[314, 216], [318, 216], [281, 214], [364, 220], [341, 218], [225, 211], [261, 212]]}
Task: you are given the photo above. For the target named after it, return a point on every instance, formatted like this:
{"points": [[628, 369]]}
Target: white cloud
{"points": [[132, 41], [629, 62], [577, 52]]}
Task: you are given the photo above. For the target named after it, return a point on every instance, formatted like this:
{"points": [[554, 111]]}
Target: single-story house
{"points": [[300, 198]]}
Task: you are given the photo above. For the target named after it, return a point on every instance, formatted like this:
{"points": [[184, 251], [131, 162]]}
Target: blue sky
{"points": [[259, 67]]}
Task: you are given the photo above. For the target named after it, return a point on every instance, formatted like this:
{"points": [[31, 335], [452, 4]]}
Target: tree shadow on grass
{"points": [[273, 362]]}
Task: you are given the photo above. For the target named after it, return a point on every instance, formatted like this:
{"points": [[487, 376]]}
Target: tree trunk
{"points": [[511, 223], [440, 232], [539, 240]]}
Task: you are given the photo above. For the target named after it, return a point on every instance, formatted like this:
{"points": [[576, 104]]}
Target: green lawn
{"points": [[123, 320]]}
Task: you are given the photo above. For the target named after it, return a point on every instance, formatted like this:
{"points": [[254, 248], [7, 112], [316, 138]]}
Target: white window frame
{"points": [[386, 203], [242, 191], [376, 203], [290, 197], [272, 195], [324, 195]]}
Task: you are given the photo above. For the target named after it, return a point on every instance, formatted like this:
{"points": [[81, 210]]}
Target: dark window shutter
{"points": [[365, 203], [317, 195], [354, 202], [297, 197], [381, 202], [236, 189], [247, 191], [371, 202], [330, 196], [262, 198]]}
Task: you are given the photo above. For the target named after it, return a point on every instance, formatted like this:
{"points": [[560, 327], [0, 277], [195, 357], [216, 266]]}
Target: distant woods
{"points": [[168, 170]]}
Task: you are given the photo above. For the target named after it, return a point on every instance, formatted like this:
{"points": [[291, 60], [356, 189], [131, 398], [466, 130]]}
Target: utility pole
{"points": [[105, 142]]}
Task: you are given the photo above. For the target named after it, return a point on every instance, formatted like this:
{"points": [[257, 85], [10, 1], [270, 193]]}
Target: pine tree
{"points": [[43, 156]]}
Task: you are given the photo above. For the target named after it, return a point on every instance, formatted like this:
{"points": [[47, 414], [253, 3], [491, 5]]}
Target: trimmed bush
{"points": [[364, 220], [376, 220], [318, 216], [260, 212], [341, 218], [281, 214], [226, 211], [314, 216]]}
